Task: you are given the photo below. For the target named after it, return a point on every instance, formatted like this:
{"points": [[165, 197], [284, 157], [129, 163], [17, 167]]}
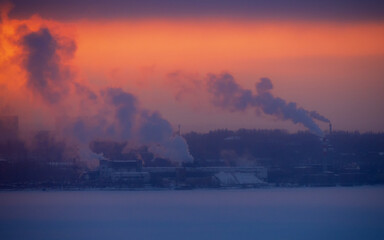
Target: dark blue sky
{"points": [[325, 10]]}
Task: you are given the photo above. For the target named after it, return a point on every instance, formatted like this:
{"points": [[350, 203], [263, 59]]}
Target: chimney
{"points": [[330, 128]]}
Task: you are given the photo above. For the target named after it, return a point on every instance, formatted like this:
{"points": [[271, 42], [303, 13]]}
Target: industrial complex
{"points": [[222, 159], [131, 173]]}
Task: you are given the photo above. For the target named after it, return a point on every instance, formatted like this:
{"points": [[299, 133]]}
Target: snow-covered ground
{"points": [[270, 213]]}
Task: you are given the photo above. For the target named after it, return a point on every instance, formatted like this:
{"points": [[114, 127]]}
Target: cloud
{"points": [[227, 93], [119, 118], [125, 105], [46, 74], [82, 112]]}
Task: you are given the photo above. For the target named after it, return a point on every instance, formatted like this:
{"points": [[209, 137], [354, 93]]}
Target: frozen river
{"points": [[276, 213]]}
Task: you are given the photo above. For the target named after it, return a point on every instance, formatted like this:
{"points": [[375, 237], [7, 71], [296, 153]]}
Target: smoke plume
{"points": [[120, 119], [46, 75], [227, 94], [84, 113]]}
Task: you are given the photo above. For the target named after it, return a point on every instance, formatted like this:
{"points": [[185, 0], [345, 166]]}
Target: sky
{"points": [[198, 64]]}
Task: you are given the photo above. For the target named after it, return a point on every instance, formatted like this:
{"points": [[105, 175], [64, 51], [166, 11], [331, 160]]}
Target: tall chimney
{"points": [[330, 128]]}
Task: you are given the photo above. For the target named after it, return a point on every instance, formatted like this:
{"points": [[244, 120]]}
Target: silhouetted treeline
{"points": [[346, 158], [342, 158], [280, 148], [364, 151], [357, 142], [271, 147]]}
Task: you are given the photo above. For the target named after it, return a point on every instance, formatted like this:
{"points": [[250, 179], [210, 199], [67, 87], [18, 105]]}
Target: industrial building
{"points": [[128, 171], [132, 173]]}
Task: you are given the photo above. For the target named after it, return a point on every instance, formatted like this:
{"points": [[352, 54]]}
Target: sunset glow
{"points": [[333, 67], [191, 119]]}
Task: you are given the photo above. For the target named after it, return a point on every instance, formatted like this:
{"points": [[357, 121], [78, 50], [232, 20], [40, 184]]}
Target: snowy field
{"points": [[276, 213]]}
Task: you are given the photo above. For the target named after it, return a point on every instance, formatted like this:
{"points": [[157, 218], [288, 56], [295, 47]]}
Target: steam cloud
{"points": [[114, 113], [46, 75], [227, 94], [85, 114]]}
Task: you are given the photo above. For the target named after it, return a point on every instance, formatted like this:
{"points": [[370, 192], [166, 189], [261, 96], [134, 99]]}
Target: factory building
{"points": [[234, 176], [210, 176], [259, 172], [132, 173], [128, 171], [238, 179]]}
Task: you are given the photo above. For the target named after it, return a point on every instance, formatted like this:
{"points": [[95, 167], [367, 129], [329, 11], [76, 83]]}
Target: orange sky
{"points": [[334, 68]]}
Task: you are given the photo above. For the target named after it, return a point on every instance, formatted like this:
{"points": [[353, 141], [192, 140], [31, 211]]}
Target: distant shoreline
{"points": [[139, 189]]}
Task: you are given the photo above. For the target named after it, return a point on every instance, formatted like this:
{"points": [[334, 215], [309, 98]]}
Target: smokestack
{"points": [[179, 130], [330, 128]]}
